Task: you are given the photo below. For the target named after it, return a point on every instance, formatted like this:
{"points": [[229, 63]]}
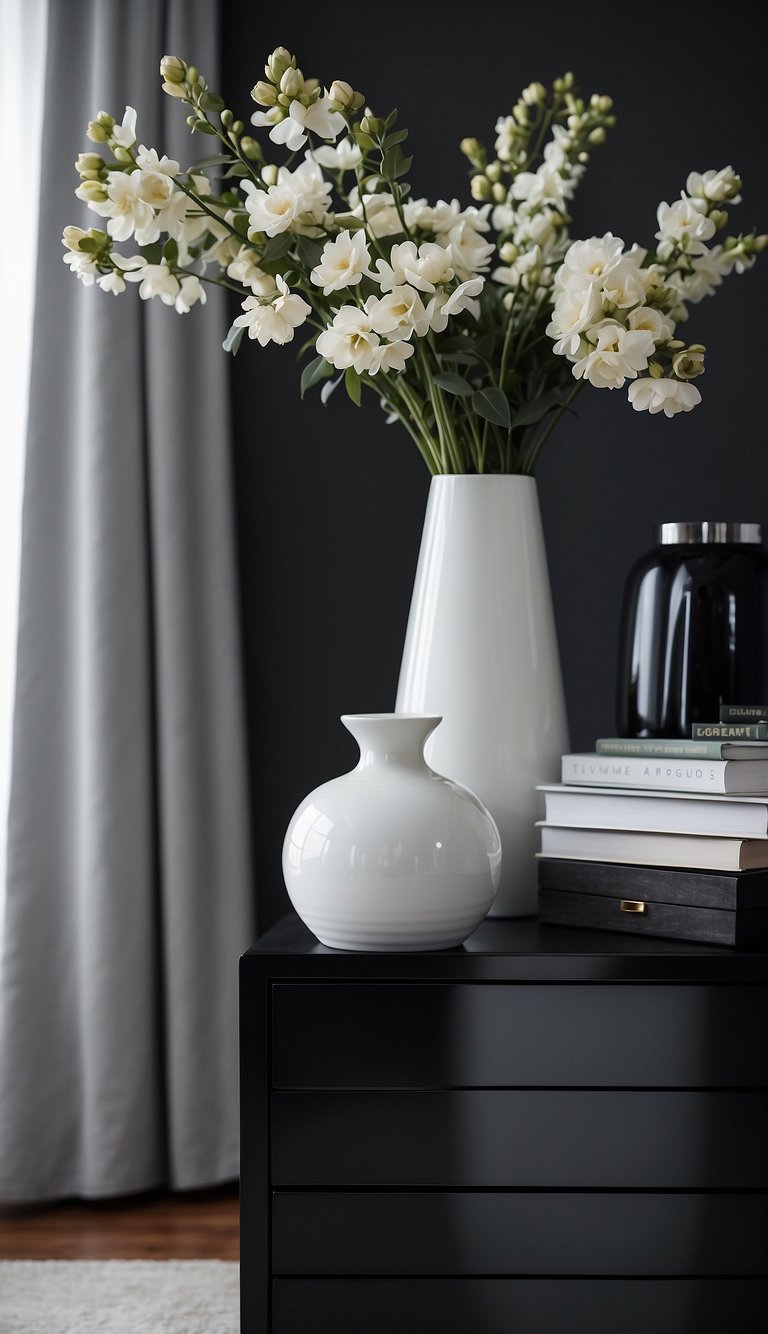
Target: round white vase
{"points": [[391, 856], [481, 650]]}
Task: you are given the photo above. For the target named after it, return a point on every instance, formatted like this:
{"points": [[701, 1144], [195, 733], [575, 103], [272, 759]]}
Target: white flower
{"points": [[156, 177], [504, 217], [342, 263], [717, 186], [350, 340], [156, 280], [617, 354], [244, 268], [442, 217], [443, 305], [470, 254], [623, 285], [191, 291], [545, 186], [401, 311], [576, 309], [72, 236], [113, 282], [423, 268], [183, 219], [313, 194], [507, 131], [82, 265], [685, 225], [127, 210], [380, 211], [272, 210], [292, 130], [589, 259], [557, 149], [274, 322], [390, 356], [125, 134], [644, 317], [345, 156], [667, 396]]}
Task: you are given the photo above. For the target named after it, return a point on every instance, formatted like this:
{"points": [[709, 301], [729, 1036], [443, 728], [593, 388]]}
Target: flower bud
{"points": [[278, 63], [264, 93], [236, 128], [520, 113], [358, 101], [193, 75], [226, 118], [655, 370], [96, 132], [480, 188], [292, 83], [534, 94], [760, 243], [341, 94], [91, 192], [173, 69], [596, 136], [251, 148], [88, 165], [312, 87], [499, 193], [508, 253], [72, 236], [122, 154], [371, 124], [269, 173], [719, 217], [493, 171]]}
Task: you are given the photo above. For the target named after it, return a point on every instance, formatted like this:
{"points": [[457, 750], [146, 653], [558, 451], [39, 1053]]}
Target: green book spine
{"points": [[743, 713], [730, 731]]}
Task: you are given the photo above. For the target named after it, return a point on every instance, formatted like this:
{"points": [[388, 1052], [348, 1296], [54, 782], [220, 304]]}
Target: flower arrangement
{"points": [[475, 326]]}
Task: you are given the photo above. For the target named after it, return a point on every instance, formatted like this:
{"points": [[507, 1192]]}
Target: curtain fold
{"points": [[129, 894]]}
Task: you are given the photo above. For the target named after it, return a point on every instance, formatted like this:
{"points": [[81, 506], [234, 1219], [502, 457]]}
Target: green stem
{"points": [[532, 454]]}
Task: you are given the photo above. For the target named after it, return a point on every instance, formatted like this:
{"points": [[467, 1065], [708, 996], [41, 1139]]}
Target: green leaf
{"points": [[534, 410], [364, 140], [171, 250], [203, 127], [232, 341], [152, 253], [328, 388], [352, 385], [317, 370], [397, 137], [240, 223], [403, 165], [237, 169], [492, 405], [215, 161], [453, 384], [309, 251], [391, 120], [211, 102], [460, 358], [277, 246]]}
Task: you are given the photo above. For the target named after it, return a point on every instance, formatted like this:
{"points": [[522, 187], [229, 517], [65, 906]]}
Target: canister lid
{"points": [[708, 532]]}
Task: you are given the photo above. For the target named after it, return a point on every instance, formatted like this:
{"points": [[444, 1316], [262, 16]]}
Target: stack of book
{"points": [[663, 837]]}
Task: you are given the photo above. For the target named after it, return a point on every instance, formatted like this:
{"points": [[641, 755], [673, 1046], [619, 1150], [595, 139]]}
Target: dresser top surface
{"points": [[512, 949]]}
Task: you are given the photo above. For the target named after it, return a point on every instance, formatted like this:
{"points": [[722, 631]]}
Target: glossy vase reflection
{"points": [[391, 855], [481, 649], [693, 635]]}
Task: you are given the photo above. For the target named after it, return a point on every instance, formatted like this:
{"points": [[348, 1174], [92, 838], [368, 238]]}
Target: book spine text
{"points": [[730, 731]]}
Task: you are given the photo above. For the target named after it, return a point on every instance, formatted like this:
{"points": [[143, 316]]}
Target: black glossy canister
{"points": [[694, 628]]}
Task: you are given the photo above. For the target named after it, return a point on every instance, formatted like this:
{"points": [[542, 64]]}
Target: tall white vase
{"points": [[481, 649]]}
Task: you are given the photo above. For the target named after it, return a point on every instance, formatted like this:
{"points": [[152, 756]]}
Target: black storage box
{"points": [[712, 907]]}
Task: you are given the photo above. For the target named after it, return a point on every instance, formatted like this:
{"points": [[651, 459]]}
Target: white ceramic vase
{"points": [[391, 855], [481, 650]]}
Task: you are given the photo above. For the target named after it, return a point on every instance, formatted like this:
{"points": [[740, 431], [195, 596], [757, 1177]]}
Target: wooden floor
{"points": [[195, 1225]]}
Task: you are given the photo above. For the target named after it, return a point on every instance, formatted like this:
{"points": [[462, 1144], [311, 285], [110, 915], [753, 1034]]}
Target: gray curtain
{"points": [[128, 879]]}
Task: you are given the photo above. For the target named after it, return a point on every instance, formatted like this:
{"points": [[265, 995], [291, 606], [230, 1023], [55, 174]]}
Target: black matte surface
{"points": [[520, 1306], [489, 1233]]}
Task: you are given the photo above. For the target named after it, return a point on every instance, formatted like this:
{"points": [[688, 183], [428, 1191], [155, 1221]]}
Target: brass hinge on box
{"points": [[632, 905]]}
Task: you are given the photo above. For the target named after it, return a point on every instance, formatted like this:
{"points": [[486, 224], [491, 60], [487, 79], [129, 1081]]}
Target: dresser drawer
{"points": [[445, 1035], [519, 1306], [496, 1234], [531, 1139]]}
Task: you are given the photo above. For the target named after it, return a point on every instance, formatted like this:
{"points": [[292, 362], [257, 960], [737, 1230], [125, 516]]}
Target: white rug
{"points": [[119, 1297]]}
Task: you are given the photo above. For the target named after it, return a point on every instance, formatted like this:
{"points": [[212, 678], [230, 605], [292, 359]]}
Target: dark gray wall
{"points": [[331, 500]]}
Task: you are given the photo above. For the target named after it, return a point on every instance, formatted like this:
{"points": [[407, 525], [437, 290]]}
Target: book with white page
{"points": [[685, 775], [648, 848], [706, 813]]}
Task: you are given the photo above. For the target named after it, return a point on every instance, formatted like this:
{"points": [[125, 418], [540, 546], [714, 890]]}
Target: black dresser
{"points": [[546, 1131]]}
